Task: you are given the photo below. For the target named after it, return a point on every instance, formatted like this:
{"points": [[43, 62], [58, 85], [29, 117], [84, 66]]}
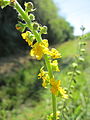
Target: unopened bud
{"points": [[82, 50], [32, 17], [69, 73], [81, 59], [74, 65], [35, 26], [78, 72], [29, 5], [82, 43], [12, 2], [44, 30]]}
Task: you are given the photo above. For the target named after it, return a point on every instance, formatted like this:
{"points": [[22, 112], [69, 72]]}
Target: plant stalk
{"points": [[39, 39]]}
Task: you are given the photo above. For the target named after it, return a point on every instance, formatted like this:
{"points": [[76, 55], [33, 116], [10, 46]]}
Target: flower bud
{"points": [[72, 86], [82, 43], [74, 65], [31, 37], [20, 26], [44, 30], [12, 2], [81, 59], [35, 26], [78, 72], [82, 50], [32, 17], [69, 73], [29, 6]]}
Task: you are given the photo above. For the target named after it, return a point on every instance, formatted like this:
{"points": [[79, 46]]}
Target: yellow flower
{"points": [[55, 86], [39, 49], [44, 75], [26, 37], [54, 53], [45, 79], [57, 115], [56, 89], [54, 65], [63, 93]]}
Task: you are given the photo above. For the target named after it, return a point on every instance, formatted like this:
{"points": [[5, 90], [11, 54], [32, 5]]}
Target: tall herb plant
{"points": [[40, 49]]}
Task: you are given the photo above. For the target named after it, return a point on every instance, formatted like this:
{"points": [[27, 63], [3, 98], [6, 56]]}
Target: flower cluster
{"points": [[29, 37], [50, 117], [39, 50], [56, 88], [45, 77]]}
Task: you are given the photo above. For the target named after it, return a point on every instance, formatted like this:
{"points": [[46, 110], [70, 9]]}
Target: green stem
{"points": [[47, 61], [54, 106], [22, 13], [39, 39], [27, 20]]}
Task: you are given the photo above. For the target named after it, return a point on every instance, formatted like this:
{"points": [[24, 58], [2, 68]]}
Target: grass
{"points": [[78, 106]]}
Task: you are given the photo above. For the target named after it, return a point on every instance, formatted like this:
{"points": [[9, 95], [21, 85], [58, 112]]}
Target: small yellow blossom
{"points": [[44, 75], [56, 89], [45, 79], [54, 53], [57, 115], [26, 37], [54, 65], [39, 49], [63, 93], [45, 43], [55, 86]]}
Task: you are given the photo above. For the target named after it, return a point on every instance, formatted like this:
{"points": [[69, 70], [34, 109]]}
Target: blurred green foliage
{"points": [[59, 30], [18, 86], [22, 96]]}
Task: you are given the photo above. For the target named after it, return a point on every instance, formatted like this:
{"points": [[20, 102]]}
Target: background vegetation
{"points": [[59, 30], [21, 94]]}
